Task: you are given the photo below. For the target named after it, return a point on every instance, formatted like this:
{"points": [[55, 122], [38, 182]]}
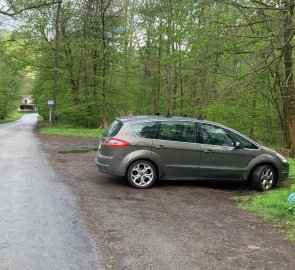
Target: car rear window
{"points": [[113, 129], [145, 130]]}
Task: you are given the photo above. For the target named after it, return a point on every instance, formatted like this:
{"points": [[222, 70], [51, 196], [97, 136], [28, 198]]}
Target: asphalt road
{"points": [[40, 226]]}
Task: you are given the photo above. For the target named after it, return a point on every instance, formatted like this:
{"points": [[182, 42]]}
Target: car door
{"points": [[176, 149], [219, 158]]}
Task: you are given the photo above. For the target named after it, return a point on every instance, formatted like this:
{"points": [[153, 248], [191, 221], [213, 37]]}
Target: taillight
{"points": [[115, 143]]}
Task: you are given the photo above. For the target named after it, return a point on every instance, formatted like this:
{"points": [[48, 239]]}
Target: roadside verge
{"points": [[12, 117], [273, 205], [67, 130]]}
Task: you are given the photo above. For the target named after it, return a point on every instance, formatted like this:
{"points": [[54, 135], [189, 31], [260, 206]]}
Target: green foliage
{"points": [[291, 208], [9, 80], [244, 115], [188, 57], [292, 170]]}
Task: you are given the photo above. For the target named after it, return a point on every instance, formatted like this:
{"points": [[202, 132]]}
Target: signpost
{"points": [[51, 104]]}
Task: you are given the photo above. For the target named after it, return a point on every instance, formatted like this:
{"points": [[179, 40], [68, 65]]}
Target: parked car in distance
{"points": [[147, 148]]}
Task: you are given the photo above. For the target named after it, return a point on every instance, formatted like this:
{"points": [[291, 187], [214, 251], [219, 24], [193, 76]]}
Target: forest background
{"points": [[230, 61]]}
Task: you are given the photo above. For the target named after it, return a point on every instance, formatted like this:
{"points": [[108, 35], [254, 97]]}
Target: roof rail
{"points": [[168, 115]]}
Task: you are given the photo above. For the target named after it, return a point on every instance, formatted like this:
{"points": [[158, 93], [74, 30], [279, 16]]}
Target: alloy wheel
{"points": [[267, 178], [142, 174]]}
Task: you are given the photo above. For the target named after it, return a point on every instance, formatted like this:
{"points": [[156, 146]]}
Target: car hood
{"points": [[268, 149]]}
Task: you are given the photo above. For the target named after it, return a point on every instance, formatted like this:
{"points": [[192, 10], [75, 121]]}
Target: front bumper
{"points": [[284, 172], [283, 175]]}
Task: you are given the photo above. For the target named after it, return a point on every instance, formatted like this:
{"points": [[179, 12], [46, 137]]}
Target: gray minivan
{"points": [[147, 148]]}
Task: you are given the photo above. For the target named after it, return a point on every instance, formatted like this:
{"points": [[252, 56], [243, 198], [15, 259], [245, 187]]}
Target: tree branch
{"points": [[10, 13], [264, 7]]}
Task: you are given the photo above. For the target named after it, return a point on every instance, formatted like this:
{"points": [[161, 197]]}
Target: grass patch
{"points": [[12, 117], [78, 151], [41, 120], [66, 130], [273, 205]]}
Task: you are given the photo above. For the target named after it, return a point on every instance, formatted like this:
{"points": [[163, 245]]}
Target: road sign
{"points": [[50, 102]]}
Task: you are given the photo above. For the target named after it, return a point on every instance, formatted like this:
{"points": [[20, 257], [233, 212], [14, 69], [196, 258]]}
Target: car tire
{"points": [[141, 174], [263, 178]]}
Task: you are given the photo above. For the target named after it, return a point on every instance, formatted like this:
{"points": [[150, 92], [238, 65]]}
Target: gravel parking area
{"points": [[174, 225]]}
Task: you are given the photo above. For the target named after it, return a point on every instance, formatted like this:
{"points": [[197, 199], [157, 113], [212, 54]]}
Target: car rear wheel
{"points": [[263, 178], [141, 174]]}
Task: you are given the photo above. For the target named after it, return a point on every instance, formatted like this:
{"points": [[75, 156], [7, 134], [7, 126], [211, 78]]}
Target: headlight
{"points": [[282, 158]]}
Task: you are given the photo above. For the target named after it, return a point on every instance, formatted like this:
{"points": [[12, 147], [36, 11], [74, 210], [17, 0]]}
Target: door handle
{"points": [[208, 151], [160, 146]]}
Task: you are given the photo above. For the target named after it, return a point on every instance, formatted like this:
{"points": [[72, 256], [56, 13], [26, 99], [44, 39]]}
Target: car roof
{"points": [[148, 118], [143, 118]]}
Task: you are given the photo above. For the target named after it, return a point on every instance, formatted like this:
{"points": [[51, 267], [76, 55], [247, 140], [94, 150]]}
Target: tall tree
{"points": [[289, 30]]}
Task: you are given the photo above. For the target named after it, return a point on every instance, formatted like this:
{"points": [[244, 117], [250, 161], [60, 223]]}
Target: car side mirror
{"points": [[238, 145]]}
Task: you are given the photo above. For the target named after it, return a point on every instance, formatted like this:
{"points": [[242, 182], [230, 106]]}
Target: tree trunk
{"points": [[56, 57], [168, 57], [85, 48], [103, 9], [288, 64], [159, 71]]}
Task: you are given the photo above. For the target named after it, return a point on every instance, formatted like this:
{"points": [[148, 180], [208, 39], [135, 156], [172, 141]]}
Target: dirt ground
{"points": [[174, 225]]}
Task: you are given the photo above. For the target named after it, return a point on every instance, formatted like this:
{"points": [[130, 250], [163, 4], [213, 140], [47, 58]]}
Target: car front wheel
{"points": [[263, 178], [141, 174]]}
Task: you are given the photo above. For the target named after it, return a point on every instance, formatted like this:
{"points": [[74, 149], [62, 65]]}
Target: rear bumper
{"points": [[103, 168], [106, 168]]}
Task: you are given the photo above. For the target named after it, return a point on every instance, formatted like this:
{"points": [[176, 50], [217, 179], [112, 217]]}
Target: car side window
{"points": [[215, 135], [178, 131], [247, 144], [145, 130]]}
